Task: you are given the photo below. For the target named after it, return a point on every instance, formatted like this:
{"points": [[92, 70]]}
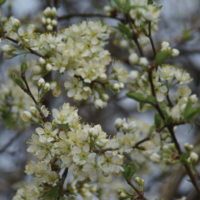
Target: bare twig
{"points": [[13, 139], [69, 16], [136, 190]]}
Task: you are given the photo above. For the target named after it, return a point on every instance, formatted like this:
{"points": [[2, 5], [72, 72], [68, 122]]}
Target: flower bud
{"points": [[44, 21], [165, 46], [42, 61], [105, 97], [7, 48], [116, 86], [123, 43], [99, 104], [48, 21], [139, 181], [94, 132], [54, 22], [48, 67], [133, 76], [33, 110], [15, 22], [118, 123], [175, 52], [133, 58], [121, 85], [47, 87], [26, 116], [49, 28], [143, 61], [188, 147], [194, 98], [41, 82], [103, 77], [36, 69], [193, 157]]}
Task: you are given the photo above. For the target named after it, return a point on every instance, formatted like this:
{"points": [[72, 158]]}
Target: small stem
{"points": [[151, 40], [87, 15], [28, 91], [136, 190]]}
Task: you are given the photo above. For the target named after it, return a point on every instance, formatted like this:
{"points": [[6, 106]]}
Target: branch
{"points": [[28, 91], [69, 16], [31, 51], [15, 137], [136, 190]]}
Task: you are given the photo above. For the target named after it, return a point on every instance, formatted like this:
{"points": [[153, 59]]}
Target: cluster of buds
{"points": [[134, 59], [193, 157], [108, 10], [166, 47], [117, 87], [8, 51], [43, 85], [123, 194], [49, 18], [34, 114]]}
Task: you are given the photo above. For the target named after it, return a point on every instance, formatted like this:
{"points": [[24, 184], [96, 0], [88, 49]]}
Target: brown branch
{"points": [[28, 91], [151, 39], [31, 51], [136, 190], [15, 137], [69, 16]]}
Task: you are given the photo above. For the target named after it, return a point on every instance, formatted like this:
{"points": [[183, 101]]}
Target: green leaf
{"points": [[24, 65], [187, 34], [151, 99], [163, 107], [183, 158], [126, 6], [136, 7], [190, 113], [150, 1], [123, 29], [18, 80], [53, 193], [162, 56], [151, 130], [136, 96], [2, 2], [118, 4], [140, 98], [128, 172], [157, 120]]}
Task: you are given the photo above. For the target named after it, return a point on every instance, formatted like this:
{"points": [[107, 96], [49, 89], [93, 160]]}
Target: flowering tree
{"points": [[74, 159]]}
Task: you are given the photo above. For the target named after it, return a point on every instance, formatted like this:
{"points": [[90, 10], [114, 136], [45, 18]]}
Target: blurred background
{"points": [[178, 18]]}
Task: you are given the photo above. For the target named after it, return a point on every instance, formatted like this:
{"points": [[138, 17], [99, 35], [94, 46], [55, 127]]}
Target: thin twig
{"points": [[151, 39], [31, 51], [87, 15], [15, 137], [136, 190], [28, 91]]}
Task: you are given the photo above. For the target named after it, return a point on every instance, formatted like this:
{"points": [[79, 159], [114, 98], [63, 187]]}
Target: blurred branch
{"points": [[12, 140], [69, 16]]}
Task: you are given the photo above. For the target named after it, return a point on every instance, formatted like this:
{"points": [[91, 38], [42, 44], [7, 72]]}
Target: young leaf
{"points": [[157, 120], [18, 80], [2, 2], [123, 29], [129, 171], [118, 4], [126, 6], [24, 65], [136, 96], [162, 56], [151, 99], [150, 1]]}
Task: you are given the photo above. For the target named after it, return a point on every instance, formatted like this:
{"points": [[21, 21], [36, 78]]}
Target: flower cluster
{"points": [[78, 49], [49, 18], [13, 102], [66, 143]]}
